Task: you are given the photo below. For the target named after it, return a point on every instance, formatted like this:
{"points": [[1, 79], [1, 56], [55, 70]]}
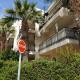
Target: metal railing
{"points": [[65, 33], [52, 13]]}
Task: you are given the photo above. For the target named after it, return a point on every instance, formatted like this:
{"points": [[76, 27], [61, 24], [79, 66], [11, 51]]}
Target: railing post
{"points": [[56, 26]]}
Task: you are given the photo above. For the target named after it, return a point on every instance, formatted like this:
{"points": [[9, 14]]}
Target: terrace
{"points": [[65, 33]]}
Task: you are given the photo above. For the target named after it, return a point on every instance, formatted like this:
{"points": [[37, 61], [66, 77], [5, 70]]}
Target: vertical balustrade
{"points": [[62, 34]]}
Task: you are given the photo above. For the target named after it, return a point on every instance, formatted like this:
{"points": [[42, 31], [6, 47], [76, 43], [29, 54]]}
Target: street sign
{"points": [[22, 49], [21, 46]]}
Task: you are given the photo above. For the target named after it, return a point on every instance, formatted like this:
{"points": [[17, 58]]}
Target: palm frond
{"points": [[47, 1], [35, 15], [18, 5], [10, 12], [26, 5], [33, 5], [20, 15], [23, 10], [7, 20], [11, 30]]}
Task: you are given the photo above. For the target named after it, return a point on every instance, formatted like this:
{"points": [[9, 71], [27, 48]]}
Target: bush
{"points": [[8, 65], [77, 77], [42, 69], [9, 55], [51, 70], [9, 70]]}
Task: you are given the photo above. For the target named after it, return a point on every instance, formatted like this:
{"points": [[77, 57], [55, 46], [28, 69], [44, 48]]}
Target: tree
{"points": [[23, 11], [9, 54], [48, 0], [75, 6], [5, 31]]}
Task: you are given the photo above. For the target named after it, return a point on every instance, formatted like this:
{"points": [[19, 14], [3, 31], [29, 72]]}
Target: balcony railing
{"points": [[65, 33], [55, 9]]}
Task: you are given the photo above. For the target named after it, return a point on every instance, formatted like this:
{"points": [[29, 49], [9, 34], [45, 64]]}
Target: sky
{"points": [[10, 4]]}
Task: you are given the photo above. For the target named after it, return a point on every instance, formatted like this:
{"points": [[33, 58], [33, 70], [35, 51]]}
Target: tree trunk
{"points": [[3, 39], [24, 36], [28, 37]]}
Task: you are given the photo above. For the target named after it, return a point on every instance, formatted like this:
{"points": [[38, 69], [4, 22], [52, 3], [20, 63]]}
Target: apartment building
{"points": [[58, 32]]}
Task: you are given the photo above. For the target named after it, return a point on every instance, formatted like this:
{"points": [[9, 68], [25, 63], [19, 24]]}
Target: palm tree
{"points": [[23, 11]]}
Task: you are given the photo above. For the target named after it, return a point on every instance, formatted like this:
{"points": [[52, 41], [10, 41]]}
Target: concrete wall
{"points": [[64, 50]]}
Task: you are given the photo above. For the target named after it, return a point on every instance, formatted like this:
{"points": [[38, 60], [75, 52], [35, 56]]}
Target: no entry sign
{"points": [[21, 46]]}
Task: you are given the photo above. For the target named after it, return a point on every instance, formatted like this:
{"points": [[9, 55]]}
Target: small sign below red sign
{"points": [[21, 46]]}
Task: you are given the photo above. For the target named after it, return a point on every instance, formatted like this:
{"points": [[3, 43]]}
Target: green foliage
{"points": [[22, 11], [77, 77], [52, 70], [9, 70], [48, 1], [9, 55], [65, 3], [42, 69], [8, 65]]}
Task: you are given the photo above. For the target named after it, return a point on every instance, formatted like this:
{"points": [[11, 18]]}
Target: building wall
{"points": [[64, 50], [67, 21]]}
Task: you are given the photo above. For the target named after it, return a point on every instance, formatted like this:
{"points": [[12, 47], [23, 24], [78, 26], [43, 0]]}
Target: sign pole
{"points": [[19, 67], [21, 49]]}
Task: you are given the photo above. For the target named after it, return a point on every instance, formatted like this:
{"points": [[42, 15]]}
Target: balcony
{"points": [[52, 10], [61, 14], [65, 33]]}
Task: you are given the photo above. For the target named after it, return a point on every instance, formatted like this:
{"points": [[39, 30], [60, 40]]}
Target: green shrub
{"points": [[77, 77], [9, 55], [52, 70], [42, 69], [9, 70]]}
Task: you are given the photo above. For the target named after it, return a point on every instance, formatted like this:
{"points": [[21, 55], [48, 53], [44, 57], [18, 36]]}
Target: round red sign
{"points": [[21, 46]]}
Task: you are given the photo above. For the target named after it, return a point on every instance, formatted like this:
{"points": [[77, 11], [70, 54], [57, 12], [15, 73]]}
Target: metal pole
{"points": [[19, 67]]}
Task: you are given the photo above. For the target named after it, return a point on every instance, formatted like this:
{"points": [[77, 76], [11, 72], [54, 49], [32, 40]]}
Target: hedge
{"points": [[9, 55], [8, 70], [41, 70]]}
